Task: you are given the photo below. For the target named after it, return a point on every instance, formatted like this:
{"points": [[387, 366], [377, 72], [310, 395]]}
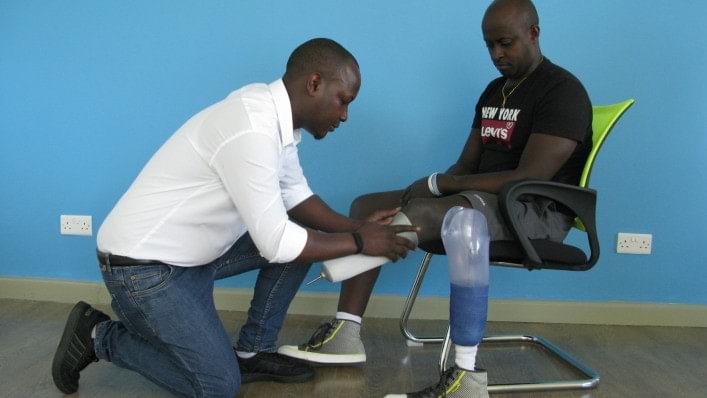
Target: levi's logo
{"points": [[497, 125]]}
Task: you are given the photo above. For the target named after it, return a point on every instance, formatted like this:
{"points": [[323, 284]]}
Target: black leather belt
{"points": [[115, 260]]}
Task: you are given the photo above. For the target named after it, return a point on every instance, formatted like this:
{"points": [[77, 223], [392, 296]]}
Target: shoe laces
{"points": [[440, 389], [321, 334]]}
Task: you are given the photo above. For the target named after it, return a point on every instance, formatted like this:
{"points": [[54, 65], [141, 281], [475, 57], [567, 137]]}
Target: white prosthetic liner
{"points": [[466, 241], [347, 267]]}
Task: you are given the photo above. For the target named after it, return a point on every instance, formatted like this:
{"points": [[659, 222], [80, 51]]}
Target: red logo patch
{"points": [[497, 131]]}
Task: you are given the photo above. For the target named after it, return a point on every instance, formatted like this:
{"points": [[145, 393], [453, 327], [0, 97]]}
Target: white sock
{"points": [[465, 356], [341, 268], [348, 317], [245, 354]]}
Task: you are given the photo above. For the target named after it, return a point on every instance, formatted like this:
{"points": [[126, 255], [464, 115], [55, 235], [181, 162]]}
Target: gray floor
{"points": [[632, 361]]}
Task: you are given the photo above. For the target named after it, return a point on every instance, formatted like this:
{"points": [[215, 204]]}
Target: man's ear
{"points": [[314, 84], [534, 32]]}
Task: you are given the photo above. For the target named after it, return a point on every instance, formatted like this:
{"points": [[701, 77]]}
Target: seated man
{"points": [[223, 196], [534, 122]]}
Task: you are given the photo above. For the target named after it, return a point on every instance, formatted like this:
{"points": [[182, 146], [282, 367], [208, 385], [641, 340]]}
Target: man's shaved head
{"points": [[319, 55], [322, 78], [512, 36], [523, 10]]}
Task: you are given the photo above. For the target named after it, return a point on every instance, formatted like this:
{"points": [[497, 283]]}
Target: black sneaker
{"points": [[271, 366], [75, 350]]}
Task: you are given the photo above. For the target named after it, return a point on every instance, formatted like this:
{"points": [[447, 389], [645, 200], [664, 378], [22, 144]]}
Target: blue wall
{"points": [[89, 90]]}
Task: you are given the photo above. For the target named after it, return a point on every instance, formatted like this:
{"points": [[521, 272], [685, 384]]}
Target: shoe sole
{"points": [[326, 359], [63, 348], [254, 377]]}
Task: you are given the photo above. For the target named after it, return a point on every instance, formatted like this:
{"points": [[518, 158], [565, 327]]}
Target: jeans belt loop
{"points": [[107, 262]]}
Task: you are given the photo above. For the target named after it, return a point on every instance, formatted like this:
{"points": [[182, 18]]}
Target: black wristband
{"points": [[359, 242]]}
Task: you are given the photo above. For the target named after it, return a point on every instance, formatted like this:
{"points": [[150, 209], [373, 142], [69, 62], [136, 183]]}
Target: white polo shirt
{"points": [[230, 169]]}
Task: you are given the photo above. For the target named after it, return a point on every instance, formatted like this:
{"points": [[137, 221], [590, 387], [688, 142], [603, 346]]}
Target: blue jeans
{"points": [[169, 330]]}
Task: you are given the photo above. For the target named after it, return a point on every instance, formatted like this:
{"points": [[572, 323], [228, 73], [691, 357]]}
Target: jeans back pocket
{"points": [[145, 279]]}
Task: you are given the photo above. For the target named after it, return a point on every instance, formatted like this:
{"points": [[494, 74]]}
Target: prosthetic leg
{"points": [[466, 241]]}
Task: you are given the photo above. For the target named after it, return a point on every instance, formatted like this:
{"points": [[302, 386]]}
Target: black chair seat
{"points": [[556, 255]]}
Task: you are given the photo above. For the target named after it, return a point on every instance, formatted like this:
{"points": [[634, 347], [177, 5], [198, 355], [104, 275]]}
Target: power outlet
{"points": [[634, 243], [75, 225]]}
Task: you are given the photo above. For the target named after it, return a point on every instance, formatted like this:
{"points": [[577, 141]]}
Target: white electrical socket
{"points": [[634, 243], [75, 225]]}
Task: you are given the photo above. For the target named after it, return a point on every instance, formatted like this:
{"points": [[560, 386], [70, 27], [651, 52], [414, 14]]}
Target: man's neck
{"points": [[296, 122], [514, 80]]}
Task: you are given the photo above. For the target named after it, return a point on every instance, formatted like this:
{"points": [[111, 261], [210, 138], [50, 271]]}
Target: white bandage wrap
{"points": [[347, 267]]}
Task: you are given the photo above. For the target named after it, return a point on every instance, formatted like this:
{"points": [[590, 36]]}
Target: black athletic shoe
{"points": [[75, 350], [271, 366]]}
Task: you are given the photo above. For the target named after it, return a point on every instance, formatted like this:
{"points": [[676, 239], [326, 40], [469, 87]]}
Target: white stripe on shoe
{"points": [[316, 357]]}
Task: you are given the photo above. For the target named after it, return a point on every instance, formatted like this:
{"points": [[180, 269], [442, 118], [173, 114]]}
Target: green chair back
{"points": [[604, 117]]}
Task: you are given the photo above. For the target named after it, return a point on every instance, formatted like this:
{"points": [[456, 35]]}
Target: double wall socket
{"points": [[634, 243], [75, 225]]}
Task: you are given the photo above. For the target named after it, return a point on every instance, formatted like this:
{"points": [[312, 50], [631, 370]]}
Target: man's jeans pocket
{"points": [[138, 292], [139, 280], [147, 279]]}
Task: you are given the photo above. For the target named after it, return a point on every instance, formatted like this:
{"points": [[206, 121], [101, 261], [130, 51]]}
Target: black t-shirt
{"points": [[550, 101]]}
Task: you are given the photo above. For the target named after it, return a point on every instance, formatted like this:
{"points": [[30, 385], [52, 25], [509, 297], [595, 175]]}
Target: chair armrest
{"points": [[581, 201]]}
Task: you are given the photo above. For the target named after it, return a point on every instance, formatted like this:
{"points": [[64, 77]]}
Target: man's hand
{"points": [[383, 217], [382, 240], [418, 189]]}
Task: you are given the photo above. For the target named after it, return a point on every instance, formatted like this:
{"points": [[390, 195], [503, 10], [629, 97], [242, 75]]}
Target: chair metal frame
{"points": [[610, 114], [590, 379]]}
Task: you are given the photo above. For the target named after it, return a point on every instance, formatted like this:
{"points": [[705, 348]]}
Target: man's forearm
{"points": [[488, 182], [542, 157], [457, 169], [316, 214], [324, 246]]}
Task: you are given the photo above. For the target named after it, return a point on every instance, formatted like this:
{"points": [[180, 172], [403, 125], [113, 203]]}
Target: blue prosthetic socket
{"points": [[466, 241]]}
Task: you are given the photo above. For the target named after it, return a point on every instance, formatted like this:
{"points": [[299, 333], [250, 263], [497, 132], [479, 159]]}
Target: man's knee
{"points": [[229, 387], [421, 212], [431, 211], [362, 206], [223, 388], [216, 377], [226, 384]]}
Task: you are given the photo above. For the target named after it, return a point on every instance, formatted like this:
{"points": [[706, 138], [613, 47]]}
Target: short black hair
{"points": [[318, 55]]}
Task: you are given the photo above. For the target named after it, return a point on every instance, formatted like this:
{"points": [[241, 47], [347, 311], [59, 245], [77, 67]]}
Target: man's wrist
{"points": [[358, 240], [446, 184], [357, 224]]}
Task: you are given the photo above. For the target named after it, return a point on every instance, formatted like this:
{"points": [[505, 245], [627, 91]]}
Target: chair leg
{"points": [[590, 377], [407, 309], [445, 350], [590, 380]]}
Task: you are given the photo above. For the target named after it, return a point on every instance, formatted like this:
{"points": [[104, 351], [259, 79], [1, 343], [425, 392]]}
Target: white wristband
{"points": [[432, 184]]}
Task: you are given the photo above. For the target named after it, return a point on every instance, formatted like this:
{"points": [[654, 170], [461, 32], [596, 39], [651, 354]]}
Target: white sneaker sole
{"points": [[294, 352]]}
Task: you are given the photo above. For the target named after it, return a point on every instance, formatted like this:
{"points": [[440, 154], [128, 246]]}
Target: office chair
{"points": [[533, 254]]}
